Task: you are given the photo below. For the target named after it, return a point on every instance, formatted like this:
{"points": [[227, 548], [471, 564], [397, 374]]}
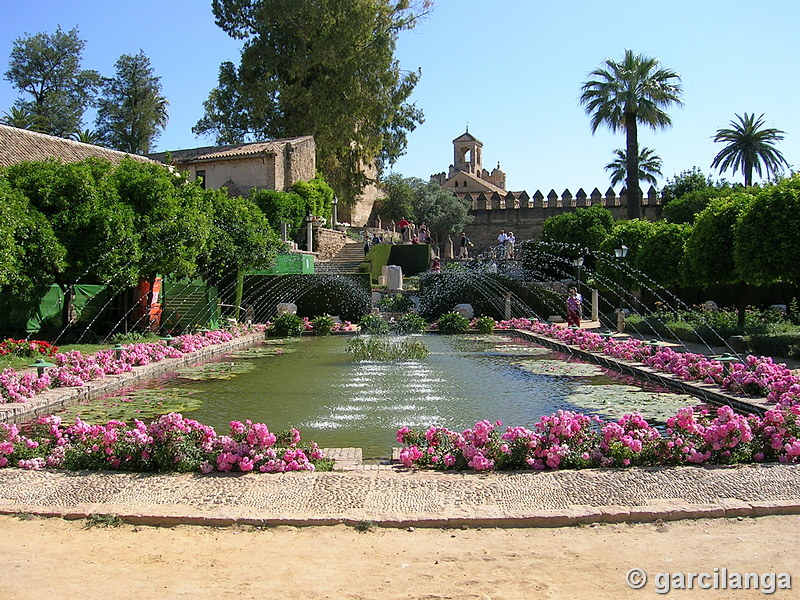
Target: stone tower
{"points": [[467, 151]]}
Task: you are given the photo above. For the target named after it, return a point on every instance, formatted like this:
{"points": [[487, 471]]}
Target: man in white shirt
{"points": [[502, 239]]}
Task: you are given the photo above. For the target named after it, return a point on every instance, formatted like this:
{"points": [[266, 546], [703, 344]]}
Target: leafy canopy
{"points": [[47, 68], [319, 67], [131, 111]]}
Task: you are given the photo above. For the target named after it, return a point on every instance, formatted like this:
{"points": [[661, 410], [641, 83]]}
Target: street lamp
{"points": [[335, 215], [621, 253], [577, 263]]}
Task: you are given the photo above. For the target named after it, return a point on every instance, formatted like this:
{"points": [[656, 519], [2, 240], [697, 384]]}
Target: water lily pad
{"points": [[144, 404], [560, 368], [523, 350], [215, 370], [260, 352], [613, 401]]}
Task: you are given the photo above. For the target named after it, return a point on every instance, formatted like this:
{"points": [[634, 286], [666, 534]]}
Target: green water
{"points": [[315, 385]]}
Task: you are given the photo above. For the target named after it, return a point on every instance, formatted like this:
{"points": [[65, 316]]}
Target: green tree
{"points": [[317, 195], [685, 182], [399, 201], [87, 136], [623, 94], [30, 254], [661, 252], [22, 118], [748, 145], [649, 166], [95, 229], [582, 227], [281, 207], [172, 216], [438, 208], [240, 238], [766, 237], [48, 69], [685, 208], [623, 272], [320, 67], [132, 112]]}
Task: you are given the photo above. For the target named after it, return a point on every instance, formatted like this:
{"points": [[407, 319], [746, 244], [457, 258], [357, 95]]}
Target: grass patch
{"points": [[103, 521]]}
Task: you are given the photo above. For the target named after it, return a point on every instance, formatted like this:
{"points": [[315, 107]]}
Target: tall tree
{"points": [[132, 112], [319, 67], [48, 68], [749, 144], [623, 94], [649, 166]]}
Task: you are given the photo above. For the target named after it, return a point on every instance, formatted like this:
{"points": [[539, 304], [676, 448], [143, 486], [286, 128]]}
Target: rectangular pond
{"points": [[315, 385]]}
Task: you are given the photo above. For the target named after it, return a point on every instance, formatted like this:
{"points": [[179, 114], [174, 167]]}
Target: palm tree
{"points": [[649, 166], [748, 145], [624, 94], [87, 136], [22, 118]]}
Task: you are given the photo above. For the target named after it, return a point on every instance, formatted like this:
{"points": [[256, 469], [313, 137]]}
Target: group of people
{"points": [[409, 232], [506, 243]]}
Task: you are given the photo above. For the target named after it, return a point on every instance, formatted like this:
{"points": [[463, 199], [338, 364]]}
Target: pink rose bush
{"points": [[171, 443], [572, 440], [73, 369]]}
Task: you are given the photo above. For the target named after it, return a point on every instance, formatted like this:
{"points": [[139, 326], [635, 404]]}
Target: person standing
{"points": [[510, 241], [463, 246], [574, 306], [502, 239], [366, 242]]}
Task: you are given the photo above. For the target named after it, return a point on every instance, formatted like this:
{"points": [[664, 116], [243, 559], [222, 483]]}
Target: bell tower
{"points": [[467, 151]]}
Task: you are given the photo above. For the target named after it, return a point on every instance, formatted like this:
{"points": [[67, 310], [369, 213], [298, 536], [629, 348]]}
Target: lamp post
{"points": [[41, 364], [577, 263], [620, 253], [309, 232], [335, 217]]}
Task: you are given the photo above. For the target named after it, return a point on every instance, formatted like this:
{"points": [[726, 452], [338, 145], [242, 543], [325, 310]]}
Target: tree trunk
{"points": [[748, 173], [632, 166], [68, 315], [741, 304]]}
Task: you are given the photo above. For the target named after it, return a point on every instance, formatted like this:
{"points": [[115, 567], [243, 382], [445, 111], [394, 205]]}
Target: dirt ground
{"points": [[44, 558]]}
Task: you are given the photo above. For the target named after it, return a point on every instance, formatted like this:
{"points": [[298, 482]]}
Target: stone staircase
{"points": [[347, 260]]}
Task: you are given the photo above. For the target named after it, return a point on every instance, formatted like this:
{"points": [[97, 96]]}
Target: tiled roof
{"points": [[467, 137], [487, 185], [210, 153], [20, 145]]}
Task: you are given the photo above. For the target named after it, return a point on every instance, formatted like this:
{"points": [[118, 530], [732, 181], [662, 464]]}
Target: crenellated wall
{"points": [[524, 214]]}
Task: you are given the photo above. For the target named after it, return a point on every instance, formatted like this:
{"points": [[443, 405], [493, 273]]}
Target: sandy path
{"points": [[65, 560]]}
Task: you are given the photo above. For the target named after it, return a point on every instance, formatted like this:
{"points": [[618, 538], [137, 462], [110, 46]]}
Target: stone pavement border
{"points": [[394, 497]]}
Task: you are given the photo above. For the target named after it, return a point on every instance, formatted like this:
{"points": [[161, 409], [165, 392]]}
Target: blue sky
{"points": [[511, 69]]}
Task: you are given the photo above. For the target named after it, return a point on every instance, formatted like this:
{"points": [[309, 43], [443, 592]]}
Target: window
{"points": [[201, 177]]}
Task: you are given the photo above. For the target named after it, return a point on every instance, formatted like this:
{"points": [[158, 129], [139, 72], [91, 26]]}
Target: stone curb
{"points": [[583, 515]]}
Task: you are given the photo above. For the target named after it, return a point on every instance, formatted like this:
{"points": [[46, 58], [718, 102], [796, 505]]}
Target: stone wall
{"points": [[328, 242], [524, 214]]}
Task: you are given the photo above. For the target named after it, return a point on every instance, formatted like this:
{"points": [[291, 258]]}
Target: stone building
{"points": [[272, 165], [466, 174]]}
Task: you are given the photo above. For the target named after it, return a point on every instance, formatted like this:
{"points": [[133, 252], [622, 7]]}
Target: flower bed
{"points": [[73, 369], [172, 443], [573, 440]]}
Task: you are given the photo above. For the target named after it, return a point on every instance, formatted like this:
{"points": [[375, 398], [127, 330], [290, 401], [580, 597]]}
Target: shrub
{"points": [[373, 324], [396, 303], [452, 323], [287, 325], [322, 325], [409, 323], [484, 324]]}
